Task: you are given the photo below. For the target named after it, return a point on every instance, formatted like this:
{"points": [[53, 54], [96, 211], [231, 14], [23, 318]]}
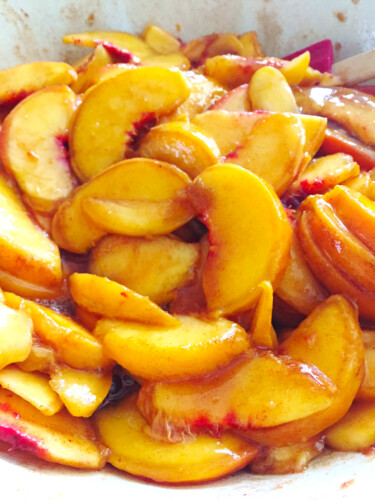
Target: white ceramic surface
{"points": [[32, 30]]}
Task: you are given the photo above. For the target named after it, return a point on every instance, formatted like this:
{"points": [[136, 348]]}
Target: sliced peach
{"points": [[33, 387], [176, 61], [134, 450], [81, 392], [367, 388], [154, 267], [138, 180], [15, 336], [236, 99], [356, 430], [86, 318], [364, 183], [109, 71], [329, 338], [112, 300], [32, 146], [254, 228], [250, 45], [124, 45], [274, 150], [262, 331], [58, 438], [11, 283], [198, 49], [299, 288], [161, 41], [184, 144], [37, 263], [221, 400], [315, 127], [194, 347], [74, 345], [98, 59], [18, 82], [295, 69], [112, 113], [41, 359], [270, 91]]}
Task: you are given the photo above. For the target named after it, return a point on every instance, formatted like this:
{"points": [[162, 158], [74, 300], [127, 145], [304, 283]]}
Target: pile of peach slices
{"points": [[203, 217]]}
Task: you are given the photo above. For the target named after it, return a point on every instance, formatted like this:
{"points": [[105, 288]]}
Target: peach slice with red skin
{"points": [[254, 228], [98, 59], [221, 400], [136, 451], [32, 146], [236, 99], [140, 180], [194, 347], [20, 81], [112, 113], [59, 438]]}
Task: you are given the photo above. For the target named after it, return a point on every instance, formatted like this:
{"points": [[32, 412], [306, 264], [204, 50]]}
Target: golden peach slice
{"points": [[315, 128], [139, 180], [81, 392], [18, 82], [73, 345], [134, 450], [270, 91], [295, 70], [109, 71], [364, 183], [274, 150], [18, 286], [155, 267], [245, 219], [114, 111], [32, 387], [183, 144], [236, 99], [110, 299], [356, 430], [41, 359], [195, 347], [262, 331], [175, 406], [161, 41], [37, 263], [250, 45], [58, 438], [16, 332], [198, 49], [367, 388], [176, 61], [98, 59], [32, 146]]}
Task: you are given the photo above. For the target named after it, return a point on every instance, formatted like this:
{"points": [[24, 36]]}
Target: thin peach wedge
{"points": [[15, 336]]}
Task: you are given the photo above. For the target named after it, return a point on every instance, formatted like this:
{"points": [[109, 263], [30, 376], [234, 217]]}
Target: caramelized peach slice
{"points": [[262, 330], [295, 70], [270, 91], [329, 338], [315, 128], [33, 387], [99, 58], [109, 71], [41, 359], [364, 183], [161, 41], [139, 180], [254, 229], [74, 345], [172, 61], [221, 400], [134, 450], [154, 267], [250, 45], [81, 392], [21, 287], [39, 262], [15, 336], [198, 49], [236, 99], [58, 438], [18, 82], [32, 146], [112, 113], [112, 300], [367, 388], [194, 347], [184, 144], [356, 430]]}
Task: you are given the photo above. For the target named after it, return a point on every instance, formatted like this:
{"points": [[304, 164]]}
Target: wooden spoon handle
{"points": [[356, 69]]}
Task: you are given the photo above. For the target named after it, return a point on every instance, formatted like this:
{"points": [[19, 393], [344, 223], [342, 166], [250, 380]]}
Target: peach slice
{"points": [[176, 61], [110, 299], [198, 49], [356, 430], [262, 331], [102, 132], [154, 267], [41, 359], [134, 450], [367, 388], [109, 71], [39, 262], [145, 183], [32, 146], [81, 392], [295, 70], [183, 144], [16, 332], [274, 150], [18, 82], [161, 41], [18, 286], [250, 45], [98, 59], [33, 387], [254, 228], [270, 91], [315, 128], [364, 183], [221, 400], [58, 438], [129, 48], [299, 288], [329, 338], [236, 99], [73, 345], [194, 347]]}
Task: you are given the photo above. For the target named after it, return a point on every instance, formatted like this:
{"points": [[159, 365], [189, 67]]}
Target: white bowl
{"points": [[32, 30]]}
